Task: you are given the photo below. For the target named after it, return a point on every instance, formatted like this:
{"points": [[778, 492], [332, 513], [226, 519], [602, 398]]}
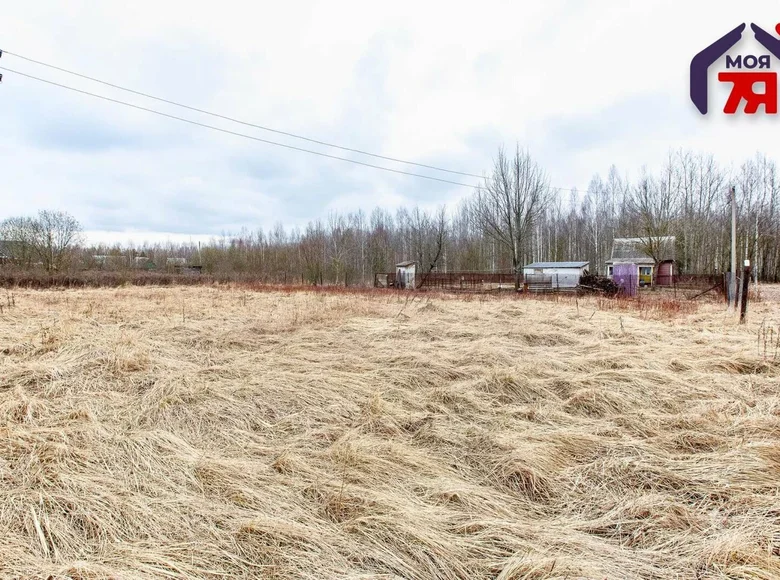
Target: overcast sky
{"points": [[440, 83]]}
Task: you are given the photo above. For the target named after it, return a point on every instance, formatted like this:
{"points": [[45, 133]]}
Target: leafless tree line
{"points": [[514, 217], [47, 239]]}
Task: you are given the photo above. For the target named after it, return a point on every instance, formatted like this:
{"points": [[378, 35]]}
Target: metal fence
{"points": [[628, 282], [692, 281], [451, 280]]}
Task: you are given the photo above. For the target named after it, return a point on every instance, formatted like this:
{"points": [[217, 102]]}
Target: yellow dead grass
{"points": [[216, 433]]}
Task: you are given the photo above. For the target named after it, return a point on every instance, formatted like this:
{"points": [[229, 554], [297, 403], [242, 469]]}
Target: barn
{"points": [[540, 276]]}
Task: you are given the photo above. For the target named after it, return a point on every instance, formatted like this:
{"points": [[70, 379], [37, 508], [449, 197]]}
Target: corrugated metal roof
{"points": [[404, 264], [557, 265], [645, 261], [635, 249]]}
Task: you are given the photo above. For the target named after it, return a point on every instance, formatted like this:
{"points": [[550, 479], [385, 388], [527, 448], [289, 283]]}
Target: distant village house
{"points": [[645, 261]]}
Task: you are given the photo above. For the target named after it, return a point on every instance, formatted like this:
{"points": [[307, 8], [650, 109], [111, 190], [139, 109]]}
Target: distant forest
{"points": [[513, 218]]}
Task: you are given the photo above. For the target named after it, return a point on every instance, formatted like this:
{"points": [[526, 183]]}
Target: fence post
{"points": [[745, 284]]}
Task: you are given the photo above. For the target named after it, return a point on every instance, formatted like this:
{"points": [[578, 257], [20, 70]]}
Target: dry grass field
{"points": [[206, 432]]}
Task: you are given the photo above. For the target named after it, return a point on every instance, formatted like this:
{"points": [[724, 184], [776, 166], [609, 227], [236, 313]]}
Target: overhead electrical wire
{"points": [[245, 123], [237, 134], [239, 121]]}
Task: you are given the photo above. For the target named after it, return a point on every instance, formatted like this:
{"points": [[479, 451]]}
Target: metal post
{"points": [[733, 278], [745, 284]]}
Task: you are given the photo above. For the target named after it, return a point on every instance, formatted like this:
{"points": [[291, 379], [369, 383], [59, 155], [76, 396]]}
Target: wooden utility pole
{"points": [[733, 276], [745, 284]]}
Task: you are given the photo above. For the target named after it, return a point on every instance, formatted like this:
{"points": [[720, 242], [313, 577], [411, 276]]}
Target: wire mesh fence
{"points": [[628, 280], [768, 341]]}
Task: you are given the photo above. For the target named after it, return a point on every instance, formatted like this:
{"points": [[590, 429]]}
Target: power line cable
{"points": [[227, 118], [239, 121], [237, 134]]}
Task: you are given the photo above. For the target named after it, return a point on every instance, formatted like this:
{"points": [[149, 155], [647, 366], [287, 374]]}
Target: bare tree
{"points": [[429, 235], [53, 237], [16, 237], [312, 243], [340, 235], [652, 205], [511, 218], [510, 202], [48, 238]]}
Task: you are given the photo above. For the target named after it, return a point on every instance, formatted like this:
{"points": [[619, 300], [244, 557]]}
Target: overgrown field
{"points": [[204, 432]]}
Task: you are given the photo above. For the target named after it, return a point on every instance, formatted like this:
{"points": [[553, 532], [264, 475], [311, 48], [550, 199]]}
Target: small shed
{"points": [[405, 273], [665, 274], [554, 275], [651, 258]]}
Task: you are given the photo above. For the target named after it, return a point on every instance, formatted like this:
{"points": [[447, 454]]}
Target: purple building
{"points": [[625, 276]]}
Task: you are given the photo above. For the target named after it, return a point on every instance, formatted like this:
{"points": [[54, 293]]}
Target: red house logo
{"points": [[750, 76]]}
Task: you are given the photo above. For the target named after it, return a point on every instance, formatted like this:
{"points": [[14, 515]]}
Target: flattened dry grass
{"points": [[220, 433]]}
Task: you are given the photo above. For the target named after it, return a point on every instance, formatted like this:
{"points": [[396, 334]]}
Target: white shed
{"points": [[554, 275], [405, 275]]}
